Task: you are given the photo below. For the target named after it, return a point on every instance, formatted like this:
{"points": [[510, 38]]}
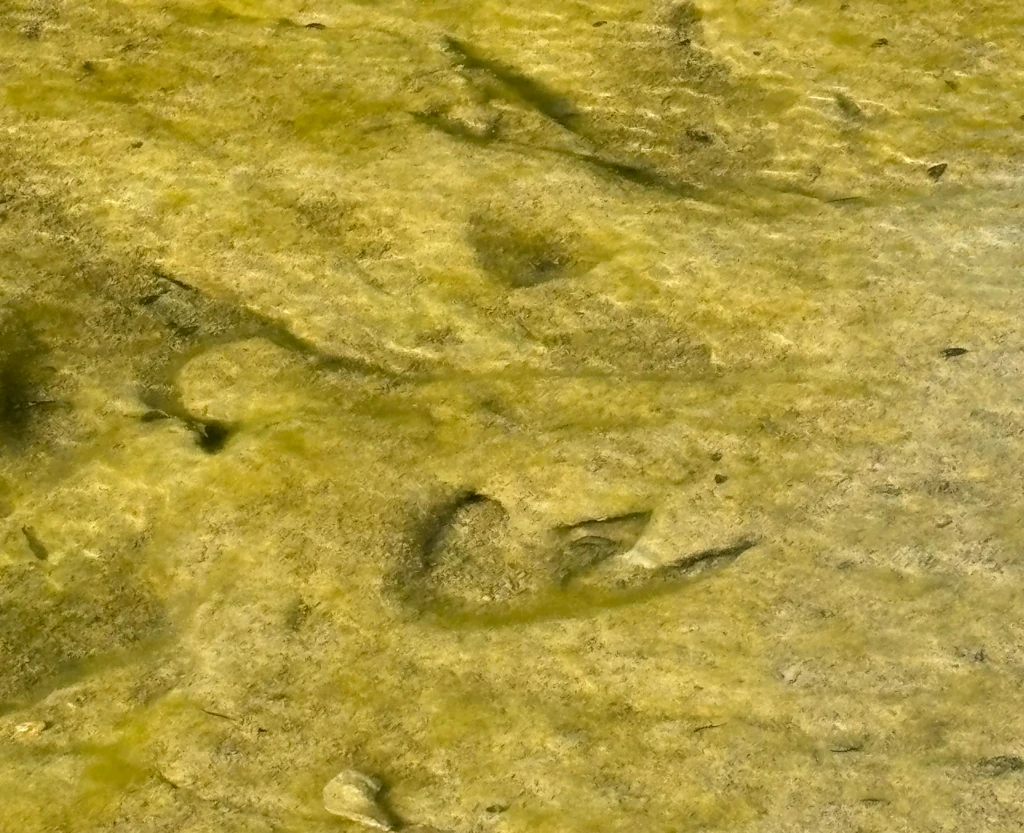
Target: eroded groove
{"points": [[215, 323], [705, 560], [645, 177], [529, 91], [481, 134]]}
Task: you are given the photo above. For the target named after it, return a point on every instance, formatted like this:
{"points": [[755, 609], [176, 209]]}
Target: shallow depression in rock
{"points": [[515, 417]]}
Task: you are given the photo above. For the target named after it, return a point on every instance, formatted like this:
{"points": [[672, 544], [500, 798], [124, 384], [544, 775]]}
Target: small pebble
{"points": [[30, 729], [353, 795], [792, 674]]}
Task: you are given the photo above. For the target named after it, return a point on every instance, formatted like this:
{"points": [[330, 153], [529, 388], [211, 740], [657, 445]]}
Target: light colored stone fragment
{"points": [[30, 729], [353, 795]]}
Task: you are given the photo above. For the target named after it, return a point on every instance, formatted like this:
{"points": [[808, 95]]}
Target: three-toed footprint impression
{"points": [[474, 560]]}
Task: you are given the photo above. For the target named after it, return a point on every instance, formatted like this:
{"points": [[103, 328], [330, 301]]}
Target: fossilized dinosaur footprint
{"points": [[473, 559]]}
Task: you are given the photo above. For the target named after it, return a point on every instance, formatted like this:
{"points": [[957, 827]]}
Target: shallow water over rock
{"points": [[583, 418]]}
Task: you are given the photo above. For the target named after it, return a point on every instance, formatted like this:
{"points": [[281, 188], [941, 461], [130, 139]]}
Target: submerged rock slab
{"points": [[284, 286]]}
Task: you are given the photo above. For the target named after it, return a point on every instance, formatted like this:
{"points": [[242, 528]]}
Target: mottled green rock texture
{"points": [[580, 417]]}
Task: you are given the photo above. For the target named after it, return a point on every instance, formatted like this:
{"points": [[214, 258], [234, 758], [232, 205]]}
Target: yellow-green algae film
{"points": [[579, 417]]}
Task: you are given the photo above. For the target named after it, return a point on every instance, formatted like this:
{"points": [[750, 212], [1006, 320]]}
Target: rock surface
{"points": [[275, 297]]}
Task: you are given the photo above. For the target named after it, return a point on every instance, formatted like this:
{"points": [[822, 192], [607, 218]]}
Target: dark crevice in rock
{"points": [[706, 560], [529, 91]]}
